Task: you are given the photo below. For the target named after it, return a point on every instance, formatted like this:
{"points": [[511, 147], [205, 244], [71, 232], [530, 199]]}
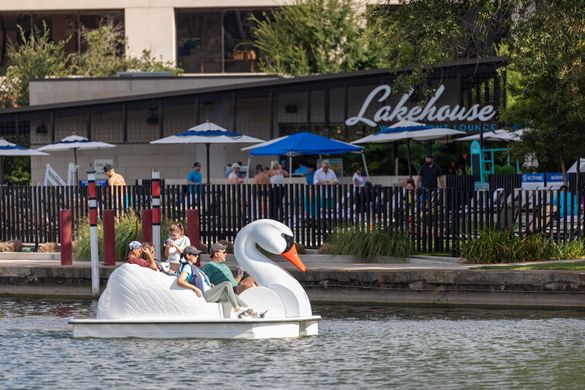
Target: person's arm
{"points": [[239, 275], [441, 181], [417, 181], [355, 180], [334, 176], [151, 262], [167, 248], [182, 281], [316, 178], [284, 173]]}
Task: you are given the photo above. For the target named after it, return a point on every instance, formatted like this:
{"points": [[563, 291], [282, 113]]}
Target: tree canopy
{"points": [[543, 40], [547, 59], [37, 57]]}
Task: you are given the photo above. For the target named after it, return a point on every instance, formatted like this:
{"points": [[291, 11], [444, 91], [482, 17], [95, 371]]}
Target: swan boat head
{"points": [[276, 238]]}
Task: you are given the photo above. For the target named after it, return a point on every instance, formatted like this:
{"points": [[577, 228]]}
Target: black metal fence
{"points": [[434, 220]]}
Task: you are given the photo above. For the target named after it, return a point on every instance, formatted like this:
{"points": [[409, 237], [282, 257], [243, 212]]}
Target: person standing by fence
{"points": [[195, 181], [117, 185], [430, 175], [234, 176], [262, 182], [361, 192], [277, 188], [324, 177]]}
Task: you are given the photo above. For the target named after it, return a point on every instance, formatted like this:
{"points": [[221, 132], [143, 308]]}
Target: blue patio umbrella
{"points": [[304, 143]]}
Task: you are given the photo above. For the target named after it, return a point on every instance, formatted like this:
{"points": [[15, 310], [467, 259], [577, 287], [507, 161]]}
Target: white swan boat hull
{"points": [[139, 302], [204, 329]]}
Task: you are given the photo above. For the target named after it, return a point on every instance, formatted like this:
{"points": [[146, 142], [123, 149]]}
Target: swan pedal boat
{"points": [[139, 302]]}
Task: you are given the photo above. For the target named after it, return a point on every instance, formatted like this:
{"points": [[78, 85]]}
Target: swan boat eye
{"points": [[290, 241]]}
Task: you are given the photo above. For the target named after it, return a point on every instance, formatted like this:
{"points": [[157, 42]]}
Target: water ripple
{"points": [[358, 347]]}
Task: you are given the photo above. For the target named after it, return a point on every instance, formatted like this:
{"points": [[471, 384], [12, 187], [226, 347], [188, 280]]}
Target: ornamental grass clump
{"points": [[368, 244], [502, 247], [128, 228]]}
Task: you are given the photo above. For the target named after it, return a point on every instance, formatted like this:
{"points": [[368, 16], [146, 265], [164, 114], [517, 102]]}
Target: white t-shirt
{"points": [[277, 179], [320, 175], [359, 180], [181, 242]]}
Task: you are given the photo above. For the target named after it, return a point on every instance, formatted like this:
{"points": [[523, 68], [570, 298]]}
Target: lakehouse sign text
{"points": [[428, 113]]}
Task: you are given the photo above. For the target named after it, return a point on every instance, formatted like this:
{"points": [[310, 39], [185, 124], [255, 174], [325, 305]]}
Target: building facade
{"points": [[343, 106], [200, 36]]}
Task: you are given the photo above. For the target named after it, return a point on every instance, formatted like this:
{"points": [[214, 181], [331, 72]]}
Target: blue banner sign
{"points": [[98, 183], [533, 178], [555, 177]]}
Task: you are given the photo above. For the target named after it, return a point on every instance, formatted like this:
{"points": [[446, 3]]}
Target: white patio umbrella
{"points": [[495, 135], [75, 143], [9, 149], [207, 133], [408, 130]]}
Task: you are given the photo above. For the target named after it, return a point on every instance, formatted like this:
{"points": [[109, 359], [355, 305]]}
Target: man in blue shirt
{"points": [[195, 179]]}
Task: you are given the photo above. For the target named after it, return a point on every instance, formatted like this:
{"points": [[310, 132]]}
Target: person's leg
{"points": [[224, 292]]}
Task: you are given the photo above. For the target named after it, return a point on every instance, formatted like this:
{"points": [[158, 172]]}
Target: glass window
{"points": [[9, 32], [216, 41], [61, 26], [240, 55], [199, 41]]}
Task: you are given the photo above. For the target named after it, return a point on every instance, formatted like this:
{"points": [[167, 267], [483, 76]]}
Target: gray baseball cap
{"points": [[216, 248]]}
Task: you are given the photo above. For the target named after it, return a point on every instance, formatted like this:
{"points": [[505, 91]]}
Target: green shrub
{"points": [[508, 169], [128, 228], [503, 247], [368, 244]]}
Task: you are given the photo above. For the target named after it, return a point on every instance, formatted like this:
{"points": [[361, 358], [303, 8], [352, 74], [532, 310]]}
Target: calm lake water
{"points": [[359, 347]]}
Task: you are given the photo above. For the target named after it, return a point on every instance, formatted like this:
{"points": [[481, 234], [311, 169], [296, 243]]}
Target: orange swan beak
{"points": [[293, 256]]}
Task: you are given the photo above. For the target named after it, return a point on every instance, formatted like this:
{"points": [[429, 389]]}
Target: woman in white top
{"points": [[359, 184], [277, 190], [358, 180], [175, 244], [276, 173]]}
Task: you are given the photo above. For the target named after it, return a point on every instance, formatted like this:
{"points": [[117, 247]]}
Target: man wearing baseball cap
{"points": [[217, 271], [193, 278], [135, 256]]}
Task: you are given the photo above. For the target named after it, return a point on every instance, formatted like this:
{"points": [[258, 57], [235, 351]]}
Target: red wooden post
{"points": [[66, 243], [193, 228], [109, 237], [147, 225]]}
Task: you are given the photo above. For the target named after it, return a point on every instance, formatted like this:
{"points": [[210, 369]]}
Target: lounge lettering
{"points": [[418, 114]]}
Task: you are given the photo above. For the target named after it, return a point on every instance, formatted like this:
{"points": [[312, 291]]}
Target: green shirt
{"points": [[219, 273]]}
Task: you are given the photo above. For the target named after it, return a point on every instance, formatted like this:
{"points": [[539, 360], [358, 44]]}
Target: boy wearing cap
{"points": [[135, 256]]}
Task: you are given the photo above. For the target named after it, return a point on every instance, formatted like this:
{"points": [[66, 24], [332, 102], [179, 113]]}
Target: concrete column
{"points": [[153, 29]]}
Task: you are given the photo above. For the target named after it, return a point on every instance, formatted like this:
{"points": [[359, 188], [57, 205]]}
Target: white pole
{"points": [[290, 168], [93, 233], [248, 170], [365, 165], [156, 215]]}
